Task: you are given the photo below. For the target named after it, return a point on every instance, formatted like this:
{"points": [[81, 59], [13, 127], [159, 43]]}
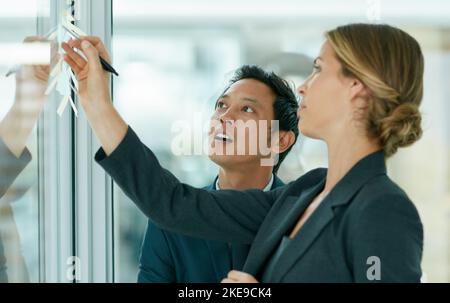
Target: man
{"points": [[252, 94]]}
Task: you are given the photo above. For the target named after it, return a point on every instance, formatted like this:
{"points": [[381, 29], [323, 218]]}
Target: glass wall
{"points": [[176, 56], [22, 99]]}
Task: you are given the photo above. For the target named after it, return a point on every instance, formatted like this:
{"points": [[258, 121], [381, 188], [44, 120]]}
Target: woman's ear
{"points": [[358, 93], [357, 88]]}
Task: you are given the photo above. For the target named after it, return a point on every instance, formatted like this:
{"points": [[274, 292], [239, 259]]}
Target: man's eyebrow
{"points": [[250, 99]]}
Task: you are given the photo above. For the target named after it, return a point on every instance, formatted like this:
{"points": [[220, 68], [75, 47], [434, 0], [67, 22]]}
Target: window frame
{"points": [[74, 219], [55, 178]]}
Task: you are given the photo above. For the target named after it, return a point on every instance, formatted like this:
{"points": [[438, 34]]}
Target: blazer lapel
{"points": [[220, 258], [218, 250], [303, 240], [368, 168], [266, 243], [276, 182], [229, 255]]}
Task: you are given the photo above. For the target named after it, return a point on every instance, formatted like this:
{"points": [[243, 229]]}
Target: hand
{"points": [[92, 79], [235, 276], [32, 80], [93, 90]]}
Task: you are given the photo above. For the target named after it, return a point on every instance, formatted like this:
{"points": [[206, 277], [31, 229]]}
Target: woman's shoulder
{"points": [[383, 195]]}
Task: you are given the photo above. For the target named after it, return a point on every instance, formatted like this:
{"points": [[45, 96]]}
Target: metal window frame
{"points": [[75, 194], [94, 209], [55, 178]]}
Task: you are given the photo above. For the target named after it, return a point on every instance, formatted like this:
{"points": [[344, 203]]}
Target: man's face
{"points": [[243, 114]]}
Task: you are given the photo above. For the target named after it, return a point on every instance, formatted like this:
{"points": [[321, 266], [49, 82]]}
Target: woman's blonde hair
{"points": [[389, 62]]}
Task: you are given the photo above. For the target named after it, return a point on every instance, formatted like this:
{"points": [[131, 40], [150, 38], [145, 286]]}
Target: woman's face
{"points": [[325, 108]]}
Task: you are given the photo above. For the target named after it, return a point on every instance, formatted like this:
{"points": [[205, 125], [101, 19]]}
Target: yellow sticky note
{"points": [[74, 28]]}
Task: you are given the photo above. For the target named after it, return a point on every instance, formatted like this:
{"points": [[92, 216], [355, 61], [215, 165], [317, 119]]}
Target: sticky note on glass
{"points": [[62, 105], [51, 86], [70, 27]]}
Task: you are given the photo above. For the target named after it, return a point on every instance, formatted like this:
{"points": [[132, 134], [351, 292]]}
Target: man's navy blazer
{"points": [[169, 257]]}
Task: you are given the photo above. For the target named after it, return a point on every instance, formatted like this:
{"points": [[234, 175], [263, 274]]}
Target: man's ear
{"points": [[285, 140]]}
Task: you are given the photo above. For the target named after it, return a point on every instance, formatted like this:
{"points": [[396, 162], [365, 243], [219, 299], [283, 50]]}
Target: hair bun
{"points": [[401, 128]]}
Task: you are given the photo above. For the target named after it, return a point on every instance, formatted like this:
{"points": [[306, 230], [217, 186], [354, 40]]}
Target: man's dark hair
{"points": [[285, 105]]}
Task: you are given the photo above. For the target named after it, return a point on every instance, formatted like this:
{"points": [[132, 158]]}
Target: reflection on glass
{"points": [[22, 98]]}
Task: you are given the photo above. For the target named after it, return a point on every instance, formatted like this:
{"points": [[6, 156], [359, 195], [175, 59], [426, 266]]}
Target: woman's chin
{"points": [[303, 128], [307, 131]]}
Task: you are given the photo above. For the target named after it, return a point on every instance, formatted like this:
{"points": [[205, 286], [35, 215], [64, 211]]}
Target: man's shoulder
{"points": [[277, 182], [310, 178], [169, 236]]}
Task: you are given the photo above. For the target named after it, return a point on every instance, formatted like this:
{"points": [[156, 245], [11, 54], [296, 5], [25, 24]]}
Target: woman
{"points": [[347, 223]]}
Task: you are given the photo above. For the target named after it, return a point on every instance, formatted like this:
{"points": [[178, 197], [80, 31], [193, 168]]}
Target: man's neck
{"points": [[245, 178]]}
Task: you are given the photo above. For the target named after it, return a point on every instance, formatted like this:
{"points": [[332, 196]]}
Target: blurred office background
{"points": [[175, 57]]}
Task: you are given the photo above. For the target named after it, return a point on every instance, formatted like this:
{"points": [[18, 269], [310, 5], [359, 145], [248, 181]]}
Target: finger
{"points": [[74, 56], [241, 276], [42, 72], [98, 44], [96, 41], [92, 55], [226, 280], [237, 275], [42, 68], [72, 65], [33, 39], [74, 43]]}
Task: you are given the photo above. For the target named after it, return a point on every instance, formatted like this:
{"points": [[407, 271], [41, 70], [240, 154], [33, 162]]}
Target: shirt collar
{"points": [[267, 188]]}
